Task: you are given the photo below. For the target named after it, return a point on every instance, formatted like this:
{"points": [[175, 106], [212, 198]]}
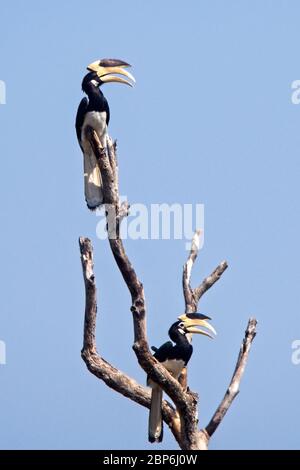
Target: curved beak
{"points": [[193, 320], [105, 68]]}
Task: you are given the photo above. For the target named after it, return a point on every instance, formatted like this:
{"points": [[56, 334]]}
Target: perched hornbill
{"points": [[94, 112], [174, 357]]}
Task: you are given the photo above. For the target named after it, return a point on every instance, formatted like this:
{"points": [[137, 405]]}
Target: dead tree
{"points": [[182, 417]]}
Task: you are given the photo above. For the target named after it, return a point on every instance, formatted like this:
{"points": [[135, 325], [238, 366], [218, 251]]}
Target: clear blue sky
{"points": [[209, 121]]}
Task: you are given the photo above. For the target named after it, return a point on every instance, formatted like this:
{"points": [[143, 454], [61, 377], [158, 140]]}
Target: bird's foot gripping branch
{"points": [[182, 417]]}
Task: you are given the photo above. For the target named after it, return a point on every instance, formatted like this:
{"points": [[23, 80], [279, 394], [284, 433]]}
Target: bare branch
{"points": [[183, 422], [209, 281], [185, 401], [234, 385], [192, 296], [113, 378], [190, 303]]}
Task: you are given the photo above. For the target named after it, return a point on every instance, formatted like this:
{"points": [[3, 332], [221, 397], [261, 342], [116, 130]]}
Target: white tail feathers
{"points": [[155, 433], [92, 181]]}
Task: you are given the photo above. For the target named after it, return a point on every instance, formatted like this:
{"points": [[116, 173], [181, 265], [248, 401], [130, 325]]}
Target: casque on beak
{"points": [[106, 67], [193, 320]]}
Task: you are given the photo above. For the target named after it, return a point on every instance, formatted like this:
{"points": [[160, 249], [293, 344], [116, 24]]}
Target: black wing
{"points": [[80, 117], [164, 352], [106, 108]]}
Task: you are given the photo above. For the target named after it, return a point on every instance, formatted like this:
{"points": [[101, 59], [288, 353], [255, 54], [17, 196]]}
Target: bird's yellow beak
{"points": [[193, 320], [105, 68]]}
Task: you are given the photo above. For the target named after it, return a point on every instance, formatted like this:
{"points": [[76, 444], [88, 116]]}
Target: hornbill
{"points": [[94, 112], [174, 357]]}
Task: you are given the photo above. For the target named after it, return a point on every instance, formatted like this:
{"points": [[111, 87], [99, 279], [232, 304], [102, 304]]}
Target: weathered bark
{"points": [[183, 421], [234, 385], [112, 377]]}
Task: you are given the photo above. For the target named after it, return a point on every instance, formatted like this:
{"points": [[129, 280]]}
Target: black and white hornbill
{"points": [[174, 357], [94, 111]]}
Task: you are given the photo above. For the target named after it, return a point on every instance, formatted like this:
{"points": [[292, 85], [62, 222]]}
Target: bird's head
{"points": [[189, 324], [107, 70]]}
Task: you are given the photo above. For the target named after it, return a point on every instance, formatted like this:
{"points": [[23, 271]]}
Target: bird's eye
{"points": [[181, 325]]}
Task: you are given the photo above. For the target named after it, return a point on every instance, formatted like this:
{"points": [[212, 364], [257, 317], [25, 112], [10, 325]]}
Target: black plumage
{"points": [[174, 357], [81, 111], [181, 350], [96, 102], [93, 111]]}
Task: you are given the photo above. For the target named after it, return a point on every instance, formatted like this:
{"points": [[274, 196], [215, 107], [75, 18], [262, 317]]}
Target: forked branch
{"points": [[185, 429], [112, 377], [234, 385]]}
